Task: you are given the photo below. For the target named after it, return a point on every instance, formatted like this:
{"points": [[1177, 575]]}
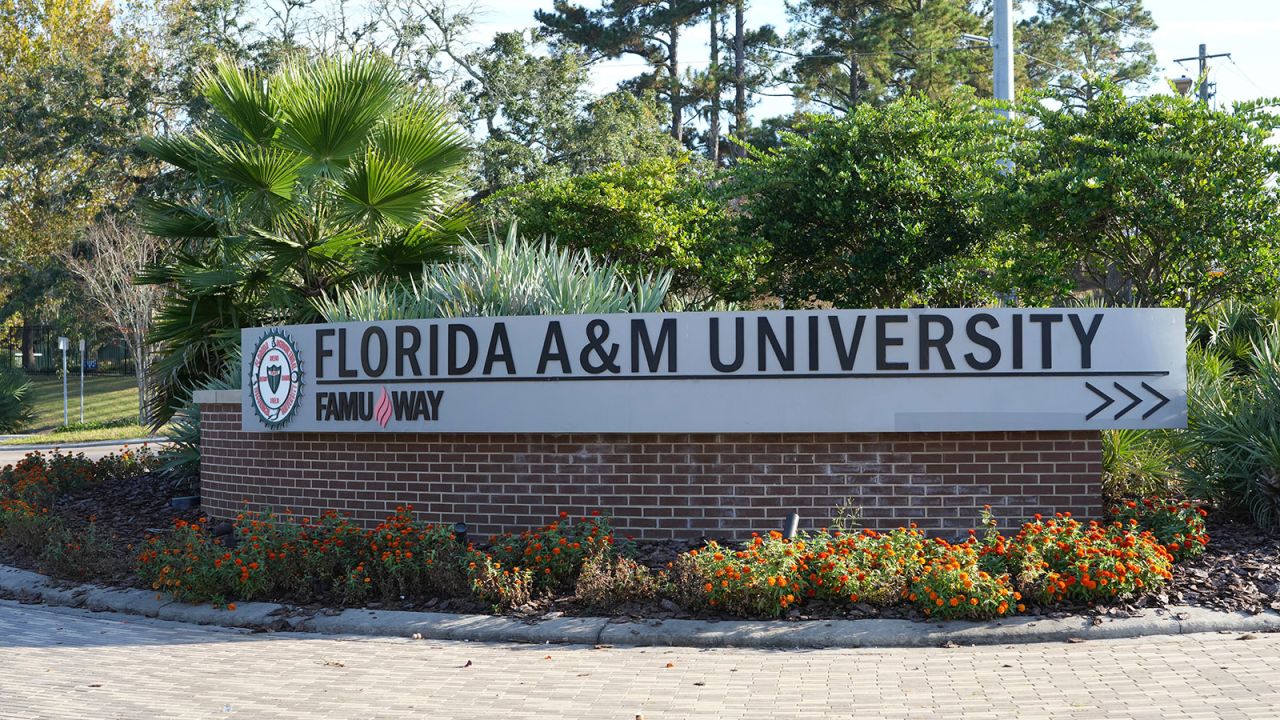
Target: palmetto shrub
{"points": [[16, 404], [503, 276], [1232, 442], [315, 177], [1137, 463]]}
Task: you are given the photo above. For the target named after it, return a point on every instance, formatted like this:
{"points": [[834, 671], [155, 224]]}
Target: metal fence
{"points": [[34, 349]]}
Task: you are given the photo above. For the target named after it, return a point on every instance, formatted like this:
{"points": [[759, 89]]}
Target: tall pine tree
{"points": [[1074, 47], [649, 29], [852, 51]]}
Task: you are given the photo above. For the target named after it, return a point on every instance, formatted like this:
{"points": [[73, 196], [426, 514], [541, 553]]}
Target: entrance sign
{"points": [[776, 371]]}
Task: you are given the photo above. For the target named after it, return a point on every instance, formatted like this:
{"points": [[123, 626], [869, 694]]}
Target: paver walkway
{"points": [[73, 664]]}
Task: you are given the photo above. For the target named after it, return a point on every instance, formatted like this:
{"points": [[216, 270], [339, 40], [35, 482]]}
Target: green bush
{"points": [[1137, 463], [505, 276], [655, 214], [17, 406], [1232, 442], [875, 209]]}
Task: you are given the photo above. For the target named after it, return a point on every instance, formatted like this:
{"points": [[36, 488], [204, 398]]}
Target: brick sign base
{"points": [[654, 486]]}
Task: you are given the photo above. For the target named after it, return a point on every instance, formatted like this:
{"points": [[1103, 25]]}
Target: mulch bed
{"points": [[1239, 571]]}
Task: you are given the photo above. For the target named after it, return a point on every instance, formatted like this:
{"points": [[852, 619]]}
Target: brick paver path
{"points": [[73, 664]]}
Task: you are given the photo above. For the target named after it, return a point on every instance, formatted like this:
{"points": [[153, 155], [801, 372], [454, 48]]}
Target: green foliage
{"points": [[539, 119], [1160, 201], [863, 211], [510, 276], [844, 57], [318, 176], [182, 453], [1233, 329], [1137, 463], [95, 425], [644, 28], [1073, 47], [1232, 442], [17, 407], [655, 214]]}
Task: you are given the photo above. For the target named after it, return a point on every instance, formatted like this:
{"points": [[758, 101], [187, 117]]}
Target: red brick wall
{"points": [[654, 486]]}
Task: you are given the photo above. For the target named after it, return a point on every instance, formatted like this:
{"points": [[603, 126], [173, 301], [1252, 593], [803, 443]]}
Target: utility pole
{"points": [[1002, 44], [1203, 77]]}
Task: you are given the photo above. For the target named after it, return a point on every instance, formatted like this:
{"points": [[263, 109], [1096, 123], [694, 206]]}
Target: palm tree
{"points": [[323, 174]]}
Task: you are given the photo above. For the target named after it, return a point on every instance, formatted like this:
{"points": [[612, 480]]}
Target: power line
{"points": [[875, 53], [1245, 75], [1100, 11], [1046, 62]]}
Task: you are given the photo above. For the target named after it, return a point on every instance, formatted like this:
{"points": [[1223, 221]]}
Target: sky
{"points": [[1248, 29]]}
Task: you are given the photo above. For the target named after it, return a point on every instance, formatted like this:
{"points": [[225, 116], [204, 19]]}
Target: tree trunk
{"points": [[142, 375], [739, 75], [714, 131], [853, 82], [673, 67], [28, 351]]}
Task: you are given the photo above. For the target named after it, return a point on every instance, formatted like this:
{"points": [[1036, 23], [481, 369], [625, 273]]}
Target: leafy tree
{"points": [[73, 97], [317, 176], [853, 51], [656, 214], [1074, 47], [649, 29], [539, 120], [863, 211], [1160, 201]]}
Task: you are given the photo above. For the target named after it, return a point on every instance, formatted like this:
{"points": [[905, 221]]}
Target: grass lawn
{"points": [[126, 432], [106, 398]]}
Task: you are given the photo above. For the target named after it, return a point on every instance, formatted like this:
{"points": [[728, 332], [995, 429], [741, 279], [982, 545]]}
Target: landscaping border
{"points": [[28, 586]]}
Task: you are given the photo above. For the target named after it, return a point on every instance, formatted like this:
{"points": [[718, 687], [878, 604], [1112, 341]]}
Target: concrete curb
{"points": [[764, 634]]}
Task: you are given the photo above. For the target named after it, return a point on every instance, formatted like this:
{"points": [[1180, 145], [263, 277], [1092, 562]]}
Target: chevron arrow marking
{"points": [[1106, 401], [1163, 401], [1134, 398]]}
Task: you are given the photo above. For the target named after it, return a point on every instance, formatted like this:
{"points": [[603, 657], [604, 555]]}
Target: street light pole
{"points": [[1203, 78], [1002, 44], [82, 380], [62, 345]]}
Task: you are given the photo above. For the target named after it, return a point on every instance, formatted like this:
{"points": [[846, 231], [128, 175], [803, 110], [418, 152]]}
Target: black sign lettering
{"points": [[458, 332], [986, 341], [739, 327], [847, 353], [1086, 337], [927, 342], [786, 357], [499, 351], [554, 337], [1046, 321], [884, 342], [653, 350]]}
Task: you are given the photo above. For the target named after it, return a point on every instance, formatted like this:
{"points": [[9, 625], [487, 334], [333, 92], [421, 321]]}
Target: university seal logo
{"points": [[275, 378]]}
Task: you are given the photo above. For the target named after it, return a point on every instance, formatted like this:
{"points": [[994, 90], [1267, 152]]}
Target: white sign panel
{"points": [[792, 371]]}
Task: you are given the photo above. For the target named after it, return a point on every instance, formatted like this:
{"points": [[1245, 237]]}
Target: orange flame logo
{"points": [[382, 410]]}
